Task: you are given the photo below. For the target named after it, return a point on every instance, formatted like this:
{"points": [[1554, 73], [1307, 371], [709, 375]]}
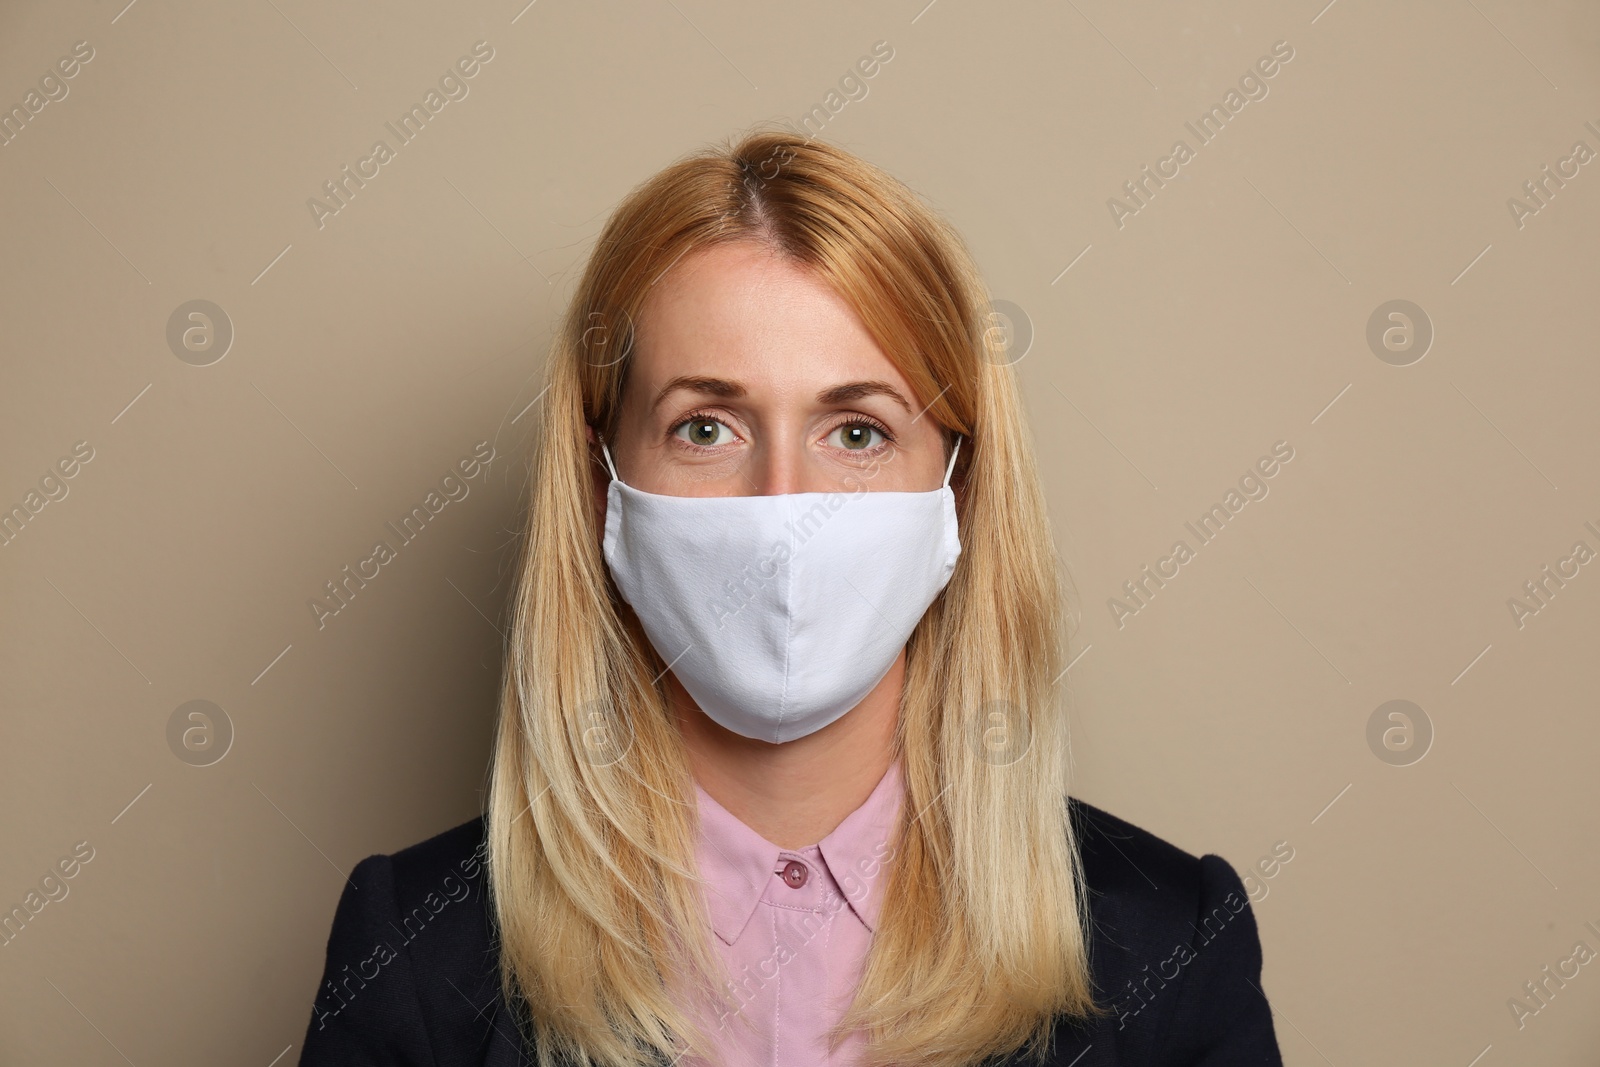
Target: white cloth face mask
{"points": [[780, 613]]}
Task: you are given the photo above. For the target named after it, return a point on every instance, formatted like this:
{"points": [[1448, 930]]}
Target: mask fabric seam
{"points": [[788, 622]]}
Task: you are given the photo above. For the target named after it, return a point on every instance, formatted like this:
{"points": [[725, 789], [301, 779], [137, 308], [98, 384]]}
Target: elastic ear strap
{"points": [[607, 452], [952, 465]]}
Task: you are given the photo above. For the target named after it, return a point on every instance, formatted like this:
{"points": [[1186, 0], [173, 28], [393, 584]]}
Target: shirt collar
{"points": [[738, 864]]}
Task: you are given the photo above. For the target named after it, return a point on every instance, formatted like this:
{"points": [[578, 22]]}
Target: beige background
{"points": [[372, 354]]}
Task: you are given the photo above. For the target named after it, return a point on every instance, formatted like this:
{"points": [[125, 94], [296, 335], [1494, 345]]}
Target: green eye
{"points": [[702, 431], [858, 436]]}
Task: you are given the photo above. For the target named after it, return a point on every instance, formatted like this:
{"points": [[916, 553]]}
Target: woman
{"points": [[781, 769]]}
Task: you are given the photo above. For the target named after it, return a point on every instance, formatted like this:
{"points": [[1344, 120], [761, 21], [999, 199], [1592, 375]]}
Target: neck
{"points": [[796, 793]]}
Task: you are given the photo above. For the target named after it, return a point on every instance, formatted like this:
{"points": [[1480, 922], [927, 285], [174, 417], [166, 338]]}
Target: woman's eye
{"points": [[703, 432], [856, 436]]}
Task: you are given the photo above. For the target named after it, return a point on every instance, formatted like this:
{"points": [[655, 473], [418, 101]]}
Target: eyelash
{"points": [[855, 420]]}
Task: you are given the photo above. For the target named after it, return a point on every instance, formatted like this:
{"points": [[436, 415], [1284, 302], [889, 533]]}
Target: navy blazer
{"points": [[412, 966]]}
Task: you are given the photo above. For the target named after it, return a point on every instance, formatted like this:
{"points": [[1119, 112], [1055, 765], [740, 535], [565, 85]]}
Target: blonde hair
{"points": [[980, 944]]}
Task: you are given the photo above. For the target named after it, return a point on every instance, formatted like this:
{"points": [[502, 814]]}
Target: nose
{"points": [[777, 470]]}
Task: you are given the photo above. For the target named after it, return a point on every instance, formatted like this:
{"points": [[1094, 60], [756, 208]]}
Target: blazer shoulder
{"points": [[444, 917], [411, 972], [1126, 861], [460, 850], [1142, 890], [1174, 947]]}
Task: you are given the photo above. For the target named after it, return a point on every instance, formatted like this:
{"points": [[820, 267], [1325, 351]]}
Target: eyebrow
{"points": [[728, 389]]}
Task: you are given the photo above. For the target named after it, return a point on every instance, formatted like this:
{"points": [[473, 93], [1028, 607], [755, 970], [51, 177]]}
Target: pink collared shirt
{"points": [[793, 927]]}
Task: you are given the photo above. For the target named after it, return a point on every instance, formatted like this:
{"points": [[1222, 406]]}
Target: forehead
{"points": [[742, 311]]}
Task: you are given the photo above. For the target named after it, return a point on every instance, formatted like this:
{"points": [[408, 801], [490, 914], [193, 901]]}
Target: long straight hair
{"points": [[980, 945]]}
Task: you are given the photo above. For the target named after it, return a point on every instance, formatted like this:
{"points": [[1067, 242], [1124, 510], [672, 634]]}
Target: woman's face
{"points": [[751, 377]]}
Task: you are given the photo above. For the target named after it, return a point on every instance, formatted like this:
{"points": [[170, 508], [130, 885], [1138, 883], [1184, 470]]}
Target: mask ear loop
{"points": [[952, 465], [607, 453]]}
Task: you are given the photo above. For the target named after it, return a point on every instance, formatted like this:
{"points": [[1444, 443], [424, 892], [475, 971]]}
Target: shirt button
{"points": [[795, 874]]}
